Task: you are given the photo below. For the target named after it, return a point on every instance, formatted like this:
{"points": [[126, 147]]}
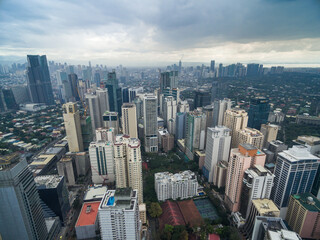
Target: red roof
{"points": [[214, 237], [88, 215], [190, 213], [171, 215]]}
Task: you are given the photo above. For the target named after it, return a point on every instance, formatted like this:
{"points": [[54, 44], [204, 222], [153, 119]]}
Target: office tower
{"points": [[270, 132], [71, 117], [240, 160], [269, 228], [54, 193], [252, 69], [7, 100], [73, 80], [183, 106], [258, 112], [101, 159], [150, 123], [105, 134], [219, 108], [21, 213], [311, 142], [103, 99], [67, 168], [168, 80], [202, 97], [97, 79], [212, 63], [111, 120], [139, 108], [180, 125], [217, 149], [214, 90], [86, 131], [119, 215], [251, 136], [235, 119], [220, 70], [274, 147], [38, 80], [92, 102], [295, 172], [129, 120], [208, 110], [170, 114], [257, 184], [173, 186], [220, 174], [114, 93], [259, 207], [21, 94], [125, 95], [195, 132], [303, 215]]}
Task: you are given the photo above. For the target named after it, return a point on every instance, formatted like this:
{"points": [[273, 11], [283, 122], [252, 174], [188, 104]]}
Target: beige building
{"points": [[128, 164], [129, 120], [220, 174], [251, 136], [71, 117], [235, 119], [143, 213], [270, 132]]}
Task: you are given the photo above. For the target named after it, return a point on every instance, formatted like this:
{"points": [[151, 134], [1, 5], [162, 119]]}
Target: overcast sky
{"points": [[151, 32]]}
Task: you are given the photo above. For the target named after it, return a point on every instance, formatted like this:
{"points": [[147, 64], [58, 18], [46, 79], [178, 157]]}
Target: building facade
{"points": [[150, 115], [129, 120]]}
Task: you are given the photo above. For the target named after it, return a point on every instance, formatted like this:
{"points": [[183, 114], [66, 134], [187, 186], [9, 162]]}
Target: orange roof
{"points": [[88, 215]]}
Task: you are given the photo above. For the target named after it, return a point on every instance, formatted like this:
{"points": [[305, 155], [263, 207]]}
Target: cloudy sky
{"points": [[151, 32]]}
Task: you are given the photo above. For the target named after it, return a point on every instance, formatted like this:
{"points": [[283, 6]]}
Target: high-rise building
{"points": [[114, 93], [240, 160], [235, 119], [73, 81], [150, 115], [170, 114], [21, 213], [102, 163], [173, 186], [212, 63], [67, 167], [86, 131], [92, 102], [257, 184], [295, 172], [183, 106], [129, 120], [252, 69], [258, 112], [195, 132], [72, 125], [54, 193], [220, 174], [250, 136], [217, 149], [274, 147], [270, 132], [259, 207], [202, 97], [103, 99], [111, 120], [180, 125], [21, 94], [208, 110], [7, 100], [168, 80], [38, 80], [219, 108], [303, 215], [119, 215]]}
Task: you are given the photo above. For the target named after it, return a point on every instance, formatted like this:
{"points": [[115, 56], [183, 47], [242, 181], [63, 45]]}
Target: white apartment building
{"points": [[119, 215], [173, 186]]}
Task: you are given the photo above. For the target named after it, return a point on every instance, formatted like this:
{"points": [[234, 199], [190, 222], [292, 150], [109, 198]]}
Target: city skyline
{"points": [[135, 34]]}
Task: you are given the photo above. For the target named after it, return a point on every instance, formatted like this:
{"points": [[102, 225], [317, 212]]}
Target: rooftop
{"points": [[121, 198], [48, 181], [283, 235], [308, 201], [88, 214], [42, 160], [9, 160], [296, 153], [310, 140], [95, 193], [266, 207]]}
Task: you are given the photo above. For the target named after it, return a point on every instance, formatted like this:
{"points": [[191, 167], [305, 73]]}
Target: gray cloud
{"points": [[113, 29]]}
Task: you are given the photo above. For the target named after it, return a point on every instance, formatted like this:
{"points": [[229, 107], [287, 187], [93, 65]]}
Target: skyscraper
{"points": [[114, 92], [21, 213], [101, 159], [168, 80], [180, 125], [119, 215], [212, 63], [251, 136], [235, 119], [129, 120], [295, 172], [38, 80], [111, 120], [73, 81], [92, 102], [219, 108], [150, 123], [258, 112], [270, 132], [252, 69], [240, 160], [72, 125], [217, 149], [170, 114], [202, 97]]}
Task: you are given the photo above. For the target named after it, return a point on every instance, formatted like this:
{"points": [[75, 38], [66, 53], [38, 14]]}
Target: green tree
{"points": [[155, 210]]}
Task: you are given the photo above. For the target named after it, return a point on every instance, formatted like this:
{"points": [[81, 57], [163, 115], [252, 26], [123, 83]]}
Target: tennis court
{"points": [[206, 209]]}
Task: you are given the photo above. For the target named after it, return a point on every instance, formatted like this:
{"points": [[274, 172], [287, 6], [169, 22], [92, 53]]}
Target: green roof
{"points": [[308, 201]]}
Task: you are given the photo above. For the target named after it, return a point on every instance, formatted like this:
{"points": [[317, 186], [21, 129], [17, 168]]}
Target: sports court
{"points": [[206, 209]]}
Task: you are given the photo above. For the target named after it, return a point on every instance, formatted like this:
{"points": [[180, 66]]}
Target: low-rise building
{"points": [[173, 186]]}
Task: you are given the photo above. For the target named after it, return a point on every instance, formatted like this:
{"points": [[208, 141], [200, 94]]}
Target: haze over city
{"points": [[149, 33]]}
